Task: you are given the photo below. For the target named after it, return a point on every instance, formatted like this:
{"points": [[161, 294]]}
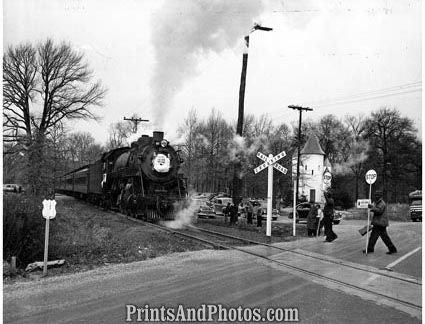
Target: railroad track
{"points": [[229, 242]]}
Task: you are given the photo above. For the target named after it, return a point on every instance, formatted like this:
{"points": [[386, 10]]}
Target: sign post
{"points": [[270, 163], [294, 212], [370, 179], [49, 212]]}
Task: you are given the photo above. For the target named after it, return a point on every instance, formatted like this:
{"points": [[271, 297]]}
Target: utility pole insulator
{"points": [[136, 121]]}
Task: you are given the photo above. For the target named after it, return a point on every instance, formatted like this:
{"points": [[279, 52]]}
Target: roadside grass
{"points": [[87, 237], [280, 232]]}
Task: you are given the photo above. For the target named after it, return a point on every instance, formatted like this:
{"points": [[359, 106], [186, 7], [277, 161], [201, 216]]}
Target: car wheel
{"points": [[336, 222]]}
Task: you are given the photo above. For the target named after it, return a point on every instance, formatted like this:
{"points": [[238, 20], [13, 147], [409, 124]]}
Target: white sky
{"points": [[318, 50]]}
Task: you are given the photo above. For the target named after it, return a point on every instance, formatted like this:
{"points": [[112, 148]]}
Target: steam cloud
{"points": [[239, 151], [184, 31], [358, 156], [185, 216]]}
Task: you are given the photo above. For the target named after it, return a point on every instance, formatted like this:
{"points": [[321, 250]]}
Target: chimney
{"points": [[158, 136]]}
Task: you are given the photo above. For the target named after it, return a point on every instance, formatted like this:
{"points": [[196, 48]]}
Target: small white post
{"points": [[46, 246], [269, 199], [294, 211], [368, 218]]}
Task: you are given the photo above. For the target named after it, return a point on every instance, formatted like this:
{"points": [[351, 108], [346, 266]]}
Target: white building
{"points": [[313, 165]]}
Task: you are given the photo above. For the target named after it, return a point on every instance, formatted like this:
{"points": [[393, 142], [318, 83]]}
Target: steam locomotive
{"points": [[142, 180]]}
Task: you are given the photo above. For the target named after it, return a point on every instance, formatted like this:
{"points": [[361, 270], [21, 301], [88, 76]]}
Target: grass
{"points": [[280, 232], [88, 237]]}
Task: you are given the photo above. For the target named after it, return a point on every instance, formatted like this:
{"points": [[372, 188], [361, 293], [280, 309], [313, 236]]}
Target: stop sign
{"points": [[371, 176]]}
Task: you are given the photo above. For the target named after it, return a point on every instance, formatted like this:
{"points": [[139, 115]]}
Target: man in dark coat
{"points": [[249, 211], [312, 221], [259, 217], [328, 214], [233, 214], [379, 225]]}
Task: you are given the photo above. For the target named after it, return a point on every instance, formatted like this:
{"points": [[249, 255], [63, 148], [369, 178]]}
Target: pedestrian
{"points": [[379, 225], [328, 212], [226, 212], [259, 217], [249, 210], [233, 214], [312, 221]]}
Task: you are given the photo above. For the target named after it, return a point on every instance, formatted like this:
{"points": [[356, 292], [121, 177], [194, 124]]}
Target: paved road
{"points": [[233, 279]]}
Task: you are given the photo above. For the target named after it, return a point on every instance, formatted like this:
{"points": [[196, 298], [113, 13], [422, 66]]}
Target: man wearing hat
{"points": [[380, 223]]}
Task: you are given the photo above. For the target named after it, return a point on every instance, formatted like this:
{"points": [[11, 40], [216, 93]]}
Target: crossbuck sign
{"points": [[271, 160], [270, 163]]}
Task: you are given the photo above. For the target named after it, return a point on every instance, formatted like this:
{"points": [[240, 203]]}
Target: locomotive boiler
{"points": [[142, 180]]}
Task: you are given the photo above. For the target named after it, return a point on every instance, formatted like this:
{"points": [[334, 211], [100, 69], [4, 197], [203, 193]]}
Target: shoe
{"points": [[364, 251], [392, 252]]}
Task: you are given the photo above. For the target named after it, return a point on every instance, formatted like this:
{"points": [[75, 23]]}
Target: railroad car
{"points": [[142, 180]]}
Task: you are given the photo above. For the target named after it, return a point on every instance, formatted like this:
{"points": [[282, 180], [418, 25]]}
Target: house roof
{"points": [[312, 146]]}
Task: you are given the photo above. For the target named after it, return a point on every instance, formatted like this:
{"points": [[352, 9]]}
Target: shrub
{"points": [[343, 199], [23, 229]]}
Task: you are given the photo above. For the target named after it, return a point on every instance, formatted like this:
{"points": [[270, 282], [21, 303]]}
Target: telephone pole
{"points": [[237, 181], [136, 121], [300, 109]]}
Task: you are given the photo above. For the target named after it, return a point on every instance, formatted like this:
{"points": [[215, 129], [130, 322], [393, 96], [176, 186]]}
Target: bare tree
{"points": [[19, 90], [188, 132], [359, 147], [118, 134], [44, 86], [390, 136], [61, 78]]}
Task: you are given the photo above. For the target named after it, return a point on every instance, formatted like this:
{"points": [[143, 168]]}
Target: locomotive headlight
{"points": [[161, 163], [164, 143]]}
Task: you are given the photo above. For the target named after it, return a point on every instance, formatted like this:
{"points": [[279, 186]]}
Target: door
{"points": [[313, 195]]}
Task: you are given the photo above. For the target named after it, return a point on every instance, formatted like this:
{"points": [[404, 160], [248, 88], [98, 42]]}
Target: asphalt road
{"points": [[232, 279]]}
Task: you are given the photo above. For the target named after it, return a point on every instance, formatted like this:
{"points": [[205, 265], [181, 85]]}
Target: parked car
{"points": [[219, 204], [275, 213], [304, 208], [338, 215], [206, 212], [12, 187], [263, 206]]}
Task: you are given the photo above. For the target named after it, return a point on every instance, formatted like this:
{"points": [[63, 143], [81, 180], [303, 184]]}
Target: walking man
{"points": [[379, 225]]}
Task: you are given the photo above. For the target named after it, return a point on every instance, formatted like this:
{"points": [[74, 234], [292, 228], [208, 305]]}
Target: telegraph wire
{"points": [[390, 90], [365, 96]]}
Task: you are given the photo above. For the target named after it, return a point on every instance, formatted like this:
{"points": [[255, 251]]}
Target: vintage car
{"points": [[12, 187], [304, 208]]}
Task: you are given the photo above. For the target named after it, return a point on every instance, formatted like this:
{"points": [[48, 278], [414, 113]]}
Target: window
{"points": [[312, 172], [306, 166]]}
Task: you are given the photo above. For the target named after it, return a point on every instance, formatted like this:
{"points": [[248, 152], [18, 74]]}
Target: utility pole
{"points": [[136, 121], [237, 182], [300, 109]]}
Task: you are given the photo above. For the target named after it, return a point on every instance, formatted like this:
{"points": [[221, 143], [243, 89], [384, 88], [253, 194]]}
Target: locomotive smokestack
{"points": [[158, 136]]}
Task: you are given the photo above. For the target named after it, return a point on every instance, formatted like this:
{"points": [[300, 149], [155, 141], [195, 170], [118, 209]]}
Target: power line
{"points": [[344, 102], [371, 92], [368, 95]]}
